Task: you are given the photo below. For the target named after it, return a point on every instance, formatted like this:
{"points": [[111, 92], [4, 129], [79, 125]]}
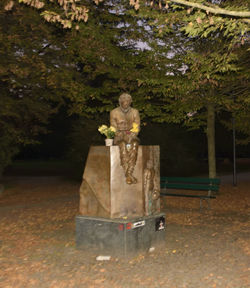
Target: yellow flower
{"points": [[102, 128], [135, 128], [109, 132], [112, 129]]}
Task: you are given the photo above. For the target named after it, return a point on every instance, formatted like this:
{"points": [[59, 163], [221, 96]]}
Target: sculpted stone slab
{"points": [[104, 191]]}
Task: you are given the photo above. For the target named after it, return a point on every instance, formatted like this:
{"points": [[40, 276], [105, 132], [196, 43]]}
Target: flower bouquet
{"points": [[109, 132]]}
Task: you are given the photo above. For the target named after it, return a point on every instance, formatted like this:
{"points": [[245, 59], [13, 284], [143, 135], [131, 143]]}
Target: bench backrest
{"points": [[190, 183]]}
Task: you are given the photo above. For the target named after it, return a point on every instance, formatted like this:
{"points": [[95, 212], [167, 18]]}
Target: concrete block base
{"points": [[120, 237]]}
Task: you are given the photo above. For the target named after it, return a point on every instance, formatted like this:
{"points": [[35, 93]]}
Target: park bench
{"points": [[207, 187]]}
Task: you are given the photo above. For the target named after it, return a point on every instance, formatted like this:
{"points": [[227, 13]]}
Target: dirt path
{"points": [[37, 241]]}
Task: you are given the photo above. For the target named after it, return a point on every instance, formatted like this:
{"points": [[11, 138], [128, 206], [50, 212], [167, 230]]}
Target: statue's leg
{"points": [[133, 152], [123, 155]]}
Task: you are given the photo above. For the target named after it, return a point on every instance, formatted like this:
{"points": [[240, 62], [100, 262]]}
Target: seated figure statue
{"points": [[124, 118]]}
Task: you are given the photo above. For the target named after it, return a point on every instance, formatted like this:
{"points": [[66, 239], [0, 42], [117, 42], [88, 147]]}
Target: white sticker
{"points": [[138, 224], [128, 146]]}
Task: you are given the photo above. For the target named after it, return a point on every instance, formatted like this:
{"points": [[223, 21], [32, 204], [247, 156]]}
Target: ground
{"points": [[203, 249]]}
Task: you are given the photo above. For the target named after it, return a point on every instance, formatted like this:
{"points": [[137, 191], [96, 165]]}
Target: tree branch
{"points": [[216, 10]]}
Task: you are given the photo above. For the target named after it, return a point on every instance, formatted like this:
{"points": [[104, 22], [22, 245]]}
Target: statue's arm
{"points": [[137, 120], [112, 120]]}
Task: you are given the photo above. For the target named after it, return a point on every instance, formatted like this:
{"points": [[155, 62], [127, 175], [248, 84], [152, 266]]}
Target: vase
{"points": [[109, 142]]}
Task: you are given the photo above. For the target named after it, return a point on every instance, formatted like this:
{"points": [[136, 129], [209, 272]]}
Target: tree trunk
{"points": [[211, 140]]}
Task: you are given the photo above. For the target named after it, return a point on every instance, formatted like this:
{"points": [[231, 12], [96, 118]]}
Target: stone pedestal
{"points": [[104, 191], [120, 237]]}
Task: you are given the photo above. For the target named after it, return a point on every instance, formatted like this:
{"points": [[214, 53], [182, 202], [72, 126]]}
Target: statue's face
{"points": [[125, 103]]}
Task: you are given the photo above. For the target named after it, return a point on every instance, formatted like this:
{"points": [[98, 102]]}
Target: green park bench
{"points": [[207, 187]]}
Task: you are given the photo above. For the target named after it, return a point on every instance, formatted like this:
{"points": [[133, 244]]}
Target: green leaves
{"points": [[191, 53], [30, 82]]}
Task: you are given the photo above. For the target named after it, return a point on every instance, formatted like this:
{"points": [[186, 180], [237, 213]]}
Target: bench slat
{"points": [[188, 195], [187, 186], [190, 180]]}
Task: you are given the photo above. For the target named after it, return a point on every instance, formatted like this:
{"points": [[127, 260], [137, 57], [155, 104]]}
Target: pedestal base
{"points": [[104, 191], [120, 237]]}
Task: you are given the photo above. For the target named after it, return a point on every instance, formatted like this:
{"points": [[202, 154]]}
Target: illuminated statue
{"points": [[126, 120]]}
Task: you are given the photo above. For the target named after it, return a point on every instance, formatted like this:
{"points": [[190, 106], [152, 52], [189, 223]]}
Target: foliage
{"points": [[99, 59], [106, 67], [199, 18], [210, 66], [85, 70], [29, 82], [211, 56], [236, 89]]}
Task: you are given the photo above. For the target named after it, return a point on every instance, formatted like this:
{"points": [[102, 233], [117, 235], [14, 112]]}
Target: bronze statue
{"points": [[126, 120]]}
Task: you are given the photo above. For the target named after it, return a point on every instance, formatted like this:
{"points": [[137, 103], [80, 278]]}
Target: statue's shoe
{"points": [[131, 180]]}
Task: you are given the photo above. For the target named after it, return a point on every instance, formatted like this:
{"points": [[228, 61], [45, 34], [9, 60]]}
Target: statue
{"points": [[120, 191], [126, 121], [122, 180]]}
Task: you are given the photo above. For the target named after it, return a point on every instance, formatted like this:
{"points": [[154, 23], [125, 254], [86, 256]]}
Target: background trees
{"points": [[44, 67], [191, 61], [212, 54], [29, 54]]}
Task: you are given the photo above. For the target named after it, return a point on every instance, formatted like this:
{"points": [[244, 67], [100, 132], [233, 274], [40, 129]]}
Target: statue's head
{"points": [[125, 100]]}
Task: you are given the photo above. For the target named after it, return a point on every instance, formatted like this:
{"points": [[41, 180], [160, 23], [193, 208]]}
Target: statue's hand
{"points": [[122, 126], [131, 136]]}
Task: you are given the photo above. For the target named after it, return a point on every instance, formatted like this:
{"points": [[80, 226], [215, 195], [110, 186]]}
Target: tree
{"points": [[201, 20], [192, 97], [236, 88], [30, 84], [84, 70], [204, 70], [68, 12]]}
